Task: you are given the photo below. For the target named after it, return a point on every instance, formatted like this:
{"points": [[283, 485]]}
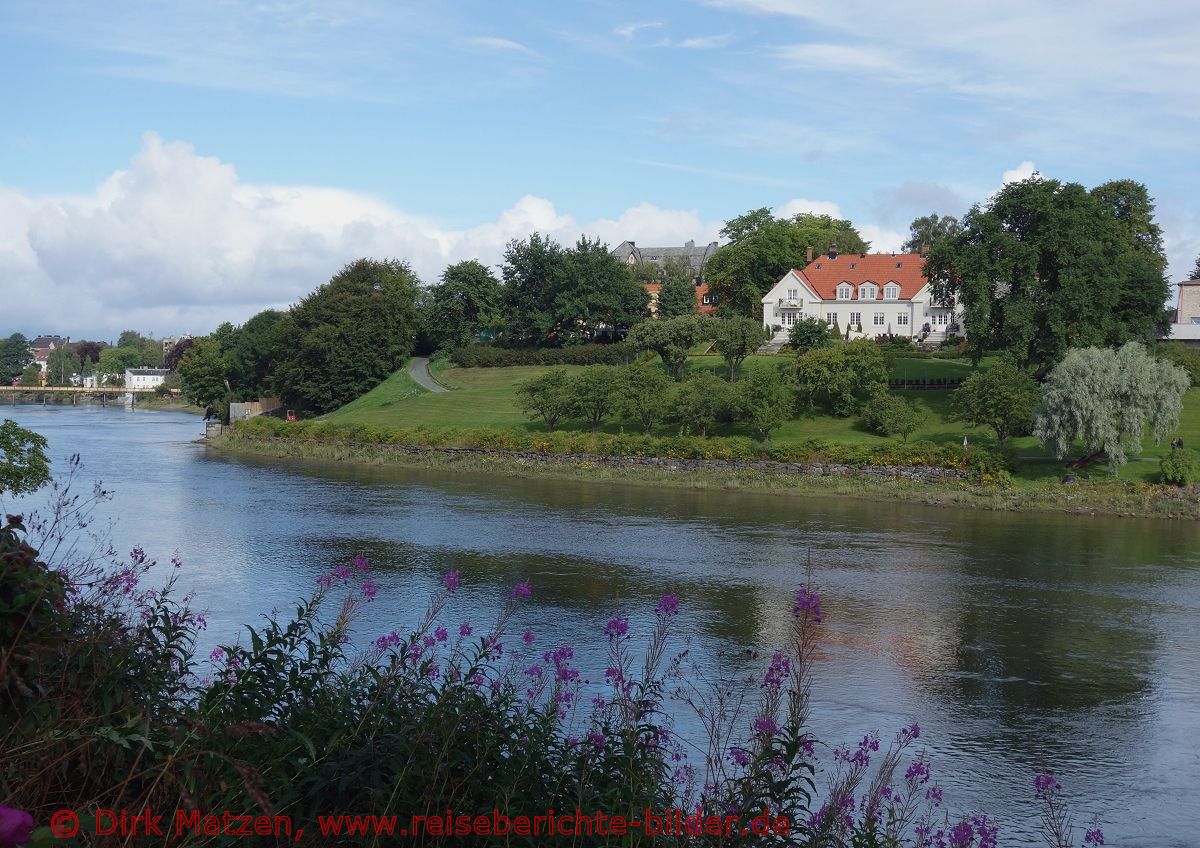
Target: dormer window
{"points": [[867, 291], [891, 292], [844, 292]]}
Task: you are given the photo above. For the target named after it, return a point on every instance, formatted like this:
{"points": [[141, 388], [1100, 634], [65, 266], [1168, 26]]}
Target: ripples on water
{"points": [[1017, 641]]}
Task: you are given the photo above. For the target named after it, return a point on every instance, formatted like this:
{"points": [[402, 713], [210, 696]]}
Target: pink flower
{"points": [[451, 580], [668, 604], [521, 590], [217, 655], [16, 827], [441, 634], [464, 629], [527, 637], [369, 589], [361, 562]]}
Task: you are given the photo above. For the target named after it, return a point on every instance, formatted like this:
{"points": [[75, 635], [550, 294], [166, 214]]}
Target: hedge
{"points": [[491, 356]]}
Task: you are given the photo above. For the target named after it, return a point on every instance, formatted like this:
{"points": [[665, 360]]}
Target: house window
{"points": [[789, 318], [891, 292], [878, 319], [844, 292], [855, 319], [831, 319], [866, 292], [902, 319], [941, 319], [707, 299], [793, 294]]}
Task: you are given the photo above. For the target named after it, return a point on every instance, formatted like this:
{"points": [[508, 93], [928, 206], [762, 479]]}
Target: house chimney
{"points": [[924, 250], [689, 243], [809, 254], [833, 251]]}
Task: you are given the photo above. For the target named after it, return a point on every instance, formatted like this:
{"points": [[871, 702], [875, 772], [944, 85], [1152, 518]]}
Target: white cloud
{"points": [[177, 242], [1015, 175], [705, 42], [493, 43], [813, 207], [628, 31], [882, 240]]}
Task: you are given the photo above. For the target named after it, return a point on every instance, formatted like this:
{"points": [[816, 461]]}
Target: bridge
{"points": [[105, 392]]}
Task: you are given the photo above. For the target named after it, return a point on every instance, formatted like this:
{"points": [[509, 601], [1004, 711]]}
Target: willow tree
{"points": [[1107, 399]]}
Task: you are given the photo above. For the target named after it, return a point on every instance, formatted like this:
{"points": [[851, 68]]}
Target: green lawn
{"points": [[486, 397]]}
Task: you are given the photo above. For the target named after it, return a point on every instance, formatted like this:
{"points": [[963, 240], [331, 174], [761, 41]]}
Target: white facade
{"points": [[867, 309], [145, 378]]}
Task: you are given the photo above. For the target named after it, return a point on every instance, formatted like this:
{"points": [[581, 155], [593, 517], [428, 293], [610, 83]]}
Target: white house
{"points": [[145, 378], [871, 294], [1186, 327]]}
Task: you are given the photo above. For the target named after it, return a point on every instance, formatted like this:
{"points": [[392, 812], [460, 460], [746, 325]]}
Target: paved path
{"points": [[418, 369]]}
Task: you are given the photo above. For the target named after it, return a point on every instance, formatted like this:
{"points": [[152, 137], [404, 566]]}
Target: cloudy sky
{"points": [[168, 166]]}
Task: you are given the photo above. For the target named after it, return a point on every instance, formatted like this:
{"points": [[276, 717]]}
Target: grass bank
{"points": [[1121, 498]]}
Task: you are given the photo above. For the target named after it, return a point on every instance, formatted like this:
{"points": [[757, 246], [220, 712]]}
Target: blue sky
{"points": [[166, 166]]}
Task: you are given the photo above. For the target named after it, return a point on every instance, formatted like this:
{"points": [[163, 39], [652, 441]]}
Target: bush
{"points": [[493, 356], [1187, 358], [1178, 467], [891, 415], [549, 396]]}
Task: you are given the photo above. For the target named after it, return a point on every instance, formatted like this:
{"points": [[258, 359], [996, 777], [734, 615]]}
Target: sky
{"points": [[165, 167]]}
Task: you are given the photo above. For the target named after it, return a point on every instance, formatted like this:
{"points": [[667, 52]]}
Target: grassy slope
{"points": [[486, 397]]}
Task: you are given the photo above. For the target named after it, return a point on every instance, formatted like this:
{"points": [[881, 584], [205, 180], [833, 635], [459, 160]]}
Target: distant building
{"points": [[695, 257], [1186, 327], [41, 347], [145, 378], [169, 343], [871, 294]]}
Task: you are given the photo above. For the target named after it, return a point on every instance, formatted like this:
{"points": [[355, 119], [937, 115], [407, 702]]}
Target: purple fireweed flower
{"points": [[1094, 836], [778, 671], [989, 834], [765, 725], [176, 561], [534, 672], [934, 795], [527, 636], [596, 738], [493, 645], [913, 731], [428, 642], [521, 590], [668, 604], [616, 627], [1045, 785], [739, 756], [807, 605], [235, 662], [477, 679], [917, 774], [385, 642], [415, 650], [441, 634], [217, 655], [341, 572], [361, 562], [464, 629], [599, 703], [433, 672], [369, 590], [962, 835], [451, 580], [16, 827]]}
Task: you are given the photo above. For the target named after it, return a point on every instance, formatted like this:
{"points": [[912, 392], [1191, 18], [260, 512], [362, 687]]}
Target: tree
{"points": [[592, 393], [764, 401], [702, 400], [809, 333], [1048, 266], [24, 467], [202, 376], [348, 336], [1105, 399], [175, 354], [32, 375], [737, 338], [62, 364], [547, 396], [598, 295], [1196, 269], [250, 357], [678, 293], [891, 415], [763, 248], [840, 378], [643, 395], [534, 271], [465, 302], [927, 230], [1004, 397], [14, 356], [114, 361], [149, 350], [89, 351], [671, 339]]}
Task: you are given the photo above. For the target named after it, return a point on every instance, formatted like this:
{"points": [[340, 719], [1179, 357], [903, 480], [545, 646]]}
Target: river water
{"points": [[1017, 641]]}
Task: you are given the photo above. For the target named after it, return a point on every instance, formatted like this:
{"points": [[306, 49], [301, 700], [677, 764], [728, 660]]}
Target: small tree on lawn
{"points": [[670, 338], [840, 378], [737, 338], [1106, 398], [1004, 397], [547, 397], [593, 390], [891, 415], [702, 400], [643, 395], [810, 333], [764, 401]]}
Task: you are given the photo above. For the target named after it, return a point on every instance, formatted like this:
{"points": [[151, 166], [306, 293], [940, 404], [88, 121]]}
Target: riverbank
{"points": [[1117, 498]]}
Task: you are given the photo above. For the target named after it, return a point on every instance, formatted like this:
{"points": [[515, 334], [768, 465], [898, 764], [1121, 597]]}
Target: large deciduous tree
{"points": [[534, 272], [548, 396], [926, 231], [1106, 399], [465, 302], [1003, 397], [62, 364], [1047, 266], [598, 295], [840, 378], [763, 248], [14, 356], [348, 336], [1196, 269], [678, 293], [671, 339], [24, 467], [250, 357], [203, 376]]}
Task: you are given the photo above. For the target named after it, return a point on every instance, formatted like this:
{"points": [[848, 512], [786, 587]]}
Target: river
{"points": [[1016, 640]]}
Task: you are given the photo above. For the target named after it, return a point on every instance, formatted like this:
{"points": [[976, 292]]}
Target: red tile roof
{"points": [[906, 269]]}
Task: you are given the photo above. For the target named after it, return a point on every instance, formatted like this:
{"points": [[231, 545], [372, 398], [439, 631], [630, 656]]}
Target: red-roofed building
{"points": [[872, 294], [706, 304]]}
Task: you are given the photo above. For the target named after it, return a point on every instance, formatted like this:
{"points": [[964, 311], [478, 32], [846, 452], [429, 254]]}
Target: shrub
{"points": [[493, 356], [840, 378], [1187, 358], [891, 415], [1178, 467], [701, 401], [809, 333], [763, 401], [548, 396]]}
